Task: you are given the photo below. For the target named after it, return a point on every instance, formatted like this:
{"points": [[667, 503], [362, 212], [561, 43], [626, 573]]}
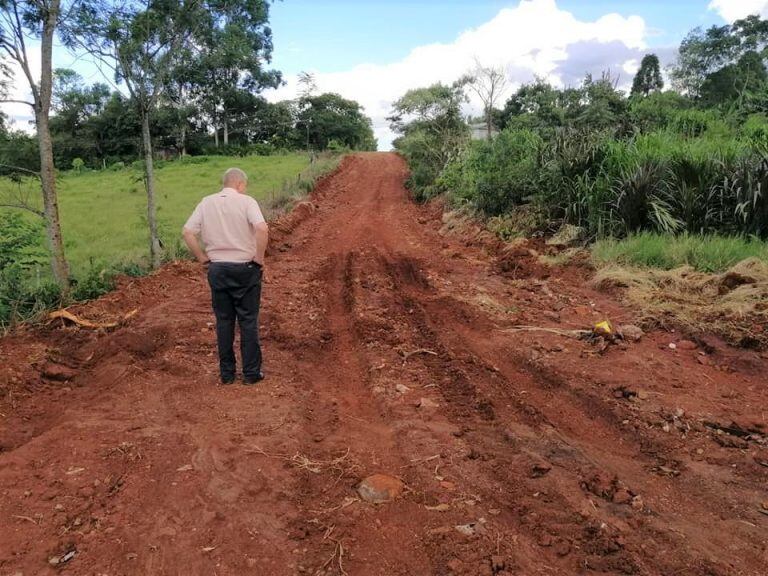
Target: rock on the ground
{"points": [[631, 332], [426, 403], [380, 488], [472, 528], [58, 372]]}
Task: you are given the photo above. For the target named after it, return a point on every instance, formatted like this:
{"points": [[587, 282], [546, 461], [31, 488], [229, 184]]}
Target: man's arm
{"points": [[261, 237], [190, 239]]}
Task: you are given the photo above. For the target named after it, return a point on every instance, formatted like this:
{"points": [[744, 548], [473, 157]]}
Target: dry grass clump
{"points": [[733, 304]]}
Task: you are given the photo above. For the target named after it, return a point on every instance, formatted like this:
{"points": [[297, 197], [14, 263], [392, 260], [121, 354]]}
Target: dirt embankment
{"points": [[389, 349]]}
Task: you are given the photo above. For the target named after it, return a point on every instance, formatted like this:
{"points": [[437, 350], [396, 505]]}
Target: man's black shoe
{"points": [[227, 381], [250, 381]]}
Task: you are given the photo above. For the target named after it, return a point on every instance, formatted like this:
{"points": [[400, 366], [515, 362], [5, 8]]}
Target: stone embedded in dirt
{"points": [[472, 528], [601, 484], [402, 388], [622, 496], [540, 469], [57, 560], [727, 441], [58, 372], [380, 488], [545, 540], [631, 332], [427, 404], [443, 507], [643, 394], [637, 503], [687, 345], [562, 548], [704, 360], [448, 485], [554, 316]]}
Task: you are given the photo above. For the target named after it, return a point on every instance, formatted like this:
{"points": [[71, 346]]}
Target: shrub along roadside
{"points": [[659, 182]]}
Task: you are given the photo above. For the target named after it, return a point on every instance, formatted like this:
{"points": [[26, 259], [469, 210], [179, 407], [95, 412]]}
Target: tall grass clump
{"points": [[663, 181], [704, 253]]}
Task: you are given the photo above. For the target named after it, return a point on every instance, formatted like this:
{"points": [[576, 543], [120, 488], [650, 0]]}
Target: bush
{"points": [[187, 160], [263, 149], [22, 298], [96, 281], [20, 241]]}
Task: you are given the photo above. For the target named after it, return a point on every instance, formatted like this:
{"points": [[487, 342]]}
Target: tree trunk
{"points": [[216, 135], [226, 131], [489, 122], [149, 182], [183, 140], [59, 263]]}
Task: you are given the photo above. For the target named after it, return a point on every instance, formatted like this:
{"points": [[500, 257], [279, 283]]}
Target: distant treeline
{"points": [[94, 127]]}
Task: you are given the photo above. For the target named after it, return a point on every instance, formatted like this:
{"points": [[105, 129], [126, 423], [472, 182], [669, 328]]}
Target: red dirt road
{"points": [[387, 351]]}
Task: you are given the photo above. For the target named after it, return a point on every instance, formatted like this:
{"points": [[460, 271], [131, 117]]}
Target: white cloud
{"points": [[731, 10], [534, 38], [19, 115]]}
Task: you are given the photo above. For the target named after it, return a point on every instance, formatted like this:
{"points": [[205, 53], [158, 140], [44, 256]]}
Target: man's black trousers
{"points": [[236, 292]]}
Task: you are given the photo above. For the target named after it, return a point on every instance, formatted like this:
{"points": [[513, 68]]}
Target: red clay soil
{"points": [[388, 350]]}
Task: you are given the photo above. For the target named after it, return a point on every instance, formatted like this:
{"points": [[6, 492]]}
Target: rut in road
{"points": [[387, 352]]}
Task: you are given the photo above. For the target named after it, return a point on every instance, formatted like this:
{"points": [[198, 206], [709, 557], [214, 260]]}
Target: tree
{"points": [[18, 20], [307, 87], [74, 106], [489, 84], [329, 117], [733, 84], [139, 42], [537, 105], [704, 53], [432, 131], [648, 78], [233, 47], [601, 105]]}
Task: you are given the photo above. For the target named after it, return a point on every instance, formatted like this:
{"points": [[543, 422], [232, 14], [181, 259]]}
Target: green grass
{"points": [[103, 214], [708, 253]]}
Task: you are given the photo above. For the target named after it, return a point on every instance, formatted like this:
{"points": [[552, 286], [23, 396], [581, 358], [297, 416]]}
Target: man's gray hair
{"points": [[233, 176]]}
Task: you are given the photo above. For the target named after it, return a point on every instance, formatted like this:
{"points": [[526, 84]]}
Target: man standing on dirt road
{"points": [[235, 236]]}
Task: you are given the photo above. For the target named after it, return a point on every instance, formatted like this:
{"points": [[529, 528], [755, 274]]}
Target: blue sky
{"points": [[335, 35], [373, 51]]}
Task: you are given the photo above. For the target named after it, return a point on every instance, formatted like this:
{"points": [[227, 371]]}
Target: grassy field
{"points": [[103, 214]]}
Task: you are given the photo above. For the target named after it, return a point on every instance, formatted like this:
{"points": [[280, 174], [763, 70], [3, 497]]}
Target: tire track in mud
{"points": [[568, 422]]}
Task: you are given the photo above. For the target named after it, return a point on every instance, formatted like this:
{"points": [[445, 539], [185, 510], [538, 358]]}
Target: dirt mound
{"points": [[733, 304], [390, 353]]}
